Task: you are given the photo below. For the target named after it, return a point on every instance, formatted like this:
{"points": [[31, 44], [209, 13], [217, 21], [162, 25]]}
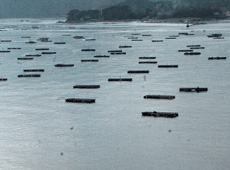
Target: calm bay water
{"points": [[38, 130]]}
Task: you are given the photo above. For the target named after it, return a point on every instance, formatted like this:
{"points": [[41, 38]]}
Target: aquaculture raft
{"points": [[160, 114], [64, 65], [168, 97], [86, 86], [167, 66], [80, 100], [196, 89], [120, 79], [138, 71], [29, 75], [34, 70]]}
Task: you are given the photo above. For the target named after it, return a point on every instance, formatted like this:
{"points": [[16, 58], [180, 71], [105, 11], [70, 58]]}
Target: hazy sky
{"points": [[48, 8]]}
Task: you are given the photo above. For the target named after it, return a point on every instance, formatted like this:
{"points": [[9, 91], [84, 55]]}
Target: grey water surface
{"points": [[39, 130]]}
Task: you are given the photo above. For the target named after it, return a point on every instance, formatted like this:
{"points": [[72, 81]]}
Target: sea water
{"points": [[39, 130]]}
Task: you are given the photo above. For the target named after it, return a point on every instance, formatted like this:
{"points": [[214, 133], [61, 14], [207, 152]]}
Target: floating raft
{"points": [[138, 71], [25, 37], [160, 114], [6, 40], [4, 51], [101, 56], [88, 50], [125, 46], [147, 62], [157, 40], [49, 53], [29, 75], [3, 79], [198, 48], [59, 42], [64, 65], [217, 58], [120, 79], [193, 45], [170, 38], [185, 50], [33, 55], [159, 97], [192, 53], [86, 86], [114, 51], [137, 40], [14, 48], [118, 53], [42, 49], [167, 66], [34, 70], [92, 39], [148, 58], [214, 35], [195, 89], [89, 60], [28, 58], [146, 35], [80, 100]]}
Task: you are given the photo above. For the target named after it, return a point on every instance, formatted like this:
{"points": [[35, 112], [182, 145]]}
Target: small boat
{"points": [[86, 86], [80, 100], [44, 39], [120, 79], [138, 71], [217, 58], [79, 37], [168, 97], [160, 114], [167, 66], [31, 42], [64, 65], [28, 75], [193, 89]]}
